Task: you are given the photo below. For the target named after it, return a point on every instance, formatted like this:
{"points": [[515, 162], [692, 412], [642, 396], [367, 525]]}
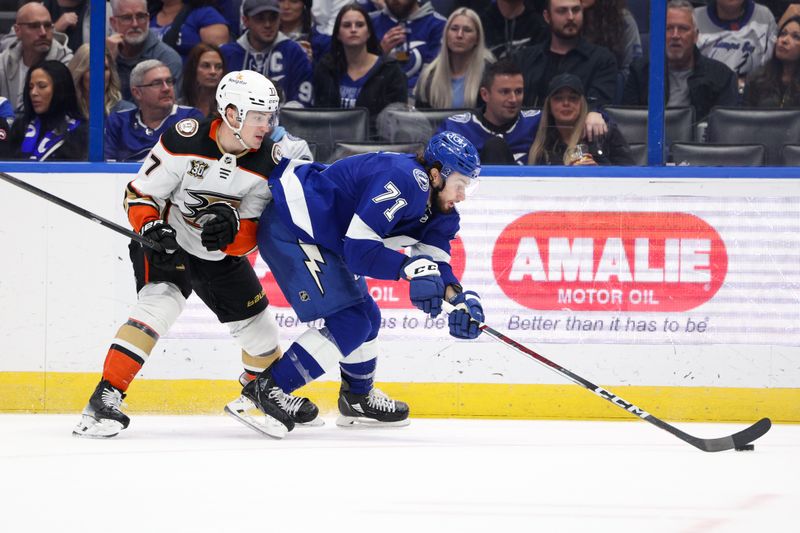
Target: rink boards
{"points": [[682, 295]]}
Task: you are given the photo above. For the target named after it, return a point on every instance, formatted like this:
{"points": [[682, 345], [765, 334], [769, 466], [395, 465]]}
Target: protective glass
{"points": [[257, 119], [461, 184]]}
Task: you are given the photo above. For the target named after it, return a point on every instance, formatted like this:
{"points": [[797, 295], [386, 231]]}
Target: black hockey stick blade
{"points": [[82, 212], [737, 440]]}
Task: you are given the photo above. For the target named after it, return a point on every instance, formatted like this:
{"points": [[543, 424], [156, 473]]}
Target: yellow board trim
{"points": [[50, 392]]}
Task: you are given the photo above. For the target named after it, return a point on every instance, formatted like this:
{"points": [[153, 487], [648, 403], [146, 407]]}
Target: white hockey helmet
{"points": [[246, 90]]}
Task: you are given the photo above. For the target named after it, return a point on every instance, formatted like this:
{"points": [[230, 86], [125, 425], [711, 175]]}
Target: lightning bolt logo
{"points": [[312, 263]]}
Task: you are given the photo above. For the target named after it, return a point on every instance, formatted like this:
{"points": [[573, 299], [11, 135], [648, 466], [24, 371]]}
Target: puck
{"points": [[746, 448]]}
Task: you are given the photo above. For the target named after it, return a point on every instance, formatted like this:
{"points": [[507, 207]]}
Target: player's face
{"points": [[454, 191], [41, 91], [353, 30], [503, 99], [209, 69], [565, 106], [462, 35], [291, 12], [263, 28], [400, 8], [565, 18], [681, 35], [256, 126], [132, 21], [788, 46]]}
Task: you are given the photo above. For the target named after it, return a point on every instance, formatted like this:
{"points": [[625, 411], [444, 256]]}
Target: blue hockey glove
{"points": [[468, 310], [426, 287], [164, 234]]}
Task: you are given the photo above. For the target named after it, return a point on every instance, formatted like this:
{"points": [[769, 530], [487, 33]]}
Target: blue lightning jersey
{"points": [[363, 208], [518, 135]]}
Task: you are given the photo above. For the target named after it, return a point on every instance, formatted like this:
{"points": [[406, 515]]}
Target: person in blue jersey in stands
{"points": [[328, 227]]}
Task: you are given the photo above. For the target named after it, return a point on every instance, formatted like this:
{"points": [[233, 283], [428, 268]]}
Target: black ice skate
{"points": [[102, 417], [374, 409], [281, 410]]}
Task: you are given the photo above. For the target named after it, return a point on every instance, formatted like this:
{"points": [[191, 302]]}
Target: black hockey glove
{"points": [[426, 287], [163, 234], [220, 226]]}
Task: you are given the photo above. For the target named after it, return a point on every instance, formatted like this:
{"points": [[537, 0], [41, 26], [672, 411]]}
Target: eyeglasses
{"points": [[48, 26], [127, 19], [157, 84]]}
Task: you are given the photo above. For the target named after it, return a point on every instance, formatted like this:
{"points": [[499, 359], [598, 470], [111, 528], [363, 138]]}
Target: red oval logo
{"points": [[389, 294], [610, 261]]}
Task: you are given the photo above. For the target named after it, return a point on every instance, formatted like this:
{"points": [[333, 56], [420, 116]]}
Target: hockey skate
{"points": [[243, 404], [102, 417], [374, 409], [277, 409]]}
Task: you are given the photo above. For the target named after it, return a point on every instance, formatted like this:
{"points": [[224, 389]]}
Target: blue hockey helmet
{"points": [[455, 153]]}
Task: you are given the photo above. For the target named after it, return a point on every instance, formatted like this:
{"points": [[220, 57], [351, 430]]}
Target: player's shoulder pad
{"points": [[186, 136], [528, 113], [187, 127], [461, 118]]}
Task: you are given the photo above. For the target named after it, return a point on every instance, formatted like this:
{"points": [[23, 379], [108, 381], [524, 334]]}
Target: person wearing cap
{"points": [[263, 48], [501, 131], [561, 138]]}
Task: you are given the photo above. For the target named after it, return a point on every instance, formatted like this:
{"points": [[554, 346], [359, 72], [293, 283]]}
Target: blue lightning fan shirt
{"points": [[518, 134], [424, 37], [285, 64], [129, 139], [364, 208]]}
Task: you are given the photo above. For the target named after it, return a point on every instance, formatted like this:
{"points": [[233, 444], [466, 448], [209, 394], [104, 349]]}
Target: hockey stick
{"points": [[738, 440], [82, 212]]}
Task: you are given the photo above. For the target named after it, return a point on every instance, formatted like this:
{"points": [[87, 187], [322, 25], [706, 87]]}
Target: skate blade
{"points": [[241, 410], [90, 428], [360, 422], [316, 423]]}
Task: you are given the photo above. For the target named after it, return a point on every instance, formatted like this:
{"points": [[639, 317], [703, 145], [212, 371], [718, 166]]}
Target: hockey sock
{"points": [[358, 368], [128, 352], [307, 358], [255, 364]]}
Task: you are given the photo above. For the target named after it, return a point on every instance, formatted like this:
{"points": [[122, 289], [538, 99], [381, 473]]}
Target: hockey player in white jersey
{"points": [[199, 195], [327, 227]]}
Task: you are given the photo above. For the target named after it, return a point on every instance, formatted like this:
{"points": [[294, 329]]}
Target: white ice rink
{"points": [[210, 474]]}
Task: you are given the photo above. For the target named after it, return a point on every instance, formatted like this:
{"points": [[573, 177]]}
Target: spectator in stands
{"points": [[561, 137], [35, 42], [453, 79], [777, 84], [295, 19], [502, 132], [51, 126], [609, 24], [323, 15], [79, 67], [202, 72], [739, 33], [692, 78], [355, 73], [511, 24], [292, 147], [567, 51], [6, 111], [131, 134], [133, 42], [411, 33], [265, 49], [183, 24], [72, 19]]}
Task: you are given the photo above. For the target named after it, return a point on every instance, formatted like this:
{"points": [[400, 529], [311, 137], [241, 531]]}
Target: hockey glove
{"points": [[220, 226], [164, 234], [468, 310], [426, 287]]}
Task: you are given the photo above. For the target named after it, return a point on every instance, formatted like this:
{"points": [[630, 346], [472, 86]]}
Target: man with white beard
{"points": [[132, 43]]}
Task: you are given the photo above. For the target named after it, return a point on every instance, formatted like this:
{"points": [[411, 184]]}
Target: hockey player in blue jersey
{"points": [[327, 227]]}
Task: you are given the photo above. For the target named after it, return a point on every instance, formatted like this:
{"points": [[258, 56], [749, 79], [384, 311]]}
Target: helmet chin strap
{"points": [[236, 131]]}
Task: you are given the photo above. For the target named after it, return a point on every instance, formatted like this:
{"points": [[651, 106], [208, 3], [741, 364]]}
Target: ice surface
{"points": [[211, 474]]}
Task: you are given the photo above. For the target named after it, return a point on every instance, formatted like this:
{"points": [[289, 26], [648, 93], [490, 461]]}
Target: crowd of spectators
{"points": [[535, 75]]}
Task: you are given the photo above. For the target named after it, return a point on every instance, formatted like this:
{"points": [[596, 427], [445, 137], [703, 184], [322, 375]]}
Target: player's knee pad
{"points": [[159, 306], [349, 327], [256, 335], [374, 315]]}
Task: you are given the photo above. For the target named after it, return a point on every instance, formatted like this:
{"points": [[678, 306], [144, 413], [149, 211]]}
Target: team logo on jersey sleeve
{"points": [[422, 179], [187, 127], [277, 153], [198, 168]]}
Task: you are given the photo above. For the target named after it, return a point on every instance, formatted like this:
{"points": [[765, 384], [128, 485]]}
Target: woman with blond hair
{"points": [[79, 68], [453, 78], [561, 137]]}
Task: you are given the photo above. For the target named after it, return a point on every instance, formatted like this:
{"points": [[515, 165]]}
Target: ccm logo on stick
{"points": [[610, 261]]}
